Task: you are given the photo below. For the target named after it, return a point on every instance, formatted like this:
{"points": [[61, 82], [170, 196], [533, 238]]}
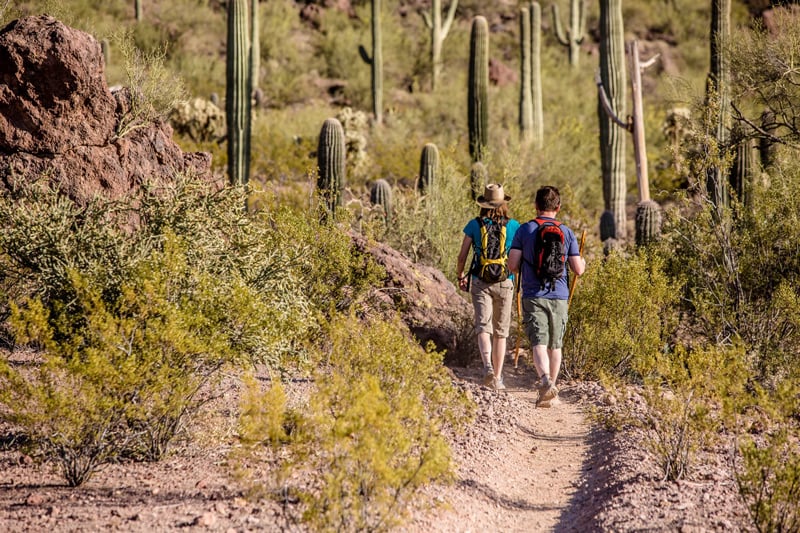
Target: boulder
{"points": [[426, 301], [58, 118]]}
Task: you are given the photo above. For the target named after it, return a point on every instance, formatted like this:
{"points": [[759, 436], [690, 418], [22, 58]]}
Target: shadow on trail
{"points": [[596, 487], [470, 485]]}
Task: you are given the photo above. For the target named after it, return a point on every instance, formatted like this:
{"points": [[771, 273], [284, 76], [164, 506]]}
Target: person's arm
{"points": [[514, 259], [461, 262], [577, 264]]}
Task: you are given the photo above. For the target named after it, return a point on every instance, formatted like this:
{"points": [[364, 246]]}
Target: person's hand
{"points": [[463, 282]]}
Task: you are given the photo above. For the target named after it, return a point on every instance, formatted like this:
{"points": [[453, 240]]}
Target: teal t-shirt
{"points": [[473, 230]]}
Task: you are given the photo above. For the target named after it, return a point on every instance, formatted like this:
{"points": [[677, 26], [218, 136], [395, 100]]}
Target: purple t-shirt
{"points": [[532, 287]]}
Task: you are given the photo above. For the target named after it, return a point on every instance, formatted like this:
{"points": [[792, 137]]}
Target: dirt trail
{"points": [[519, 466]]}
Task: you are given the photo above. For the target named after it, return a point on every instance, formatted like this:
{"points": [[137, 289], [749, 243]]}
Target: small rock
{"points": [[34, 498], [206, 519]]}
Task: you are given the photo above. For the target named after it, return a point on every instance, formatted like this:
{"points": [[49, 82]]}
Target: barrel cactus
{"points": [[428, 169], [478, 176], [648, 222], [331, 161], [478, 89], [381, 194]]}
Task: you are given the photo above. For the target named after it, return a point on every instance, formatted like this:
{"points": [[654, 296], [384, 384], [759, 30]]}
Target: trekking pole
{"points": [[575, 278], [519, 317]]}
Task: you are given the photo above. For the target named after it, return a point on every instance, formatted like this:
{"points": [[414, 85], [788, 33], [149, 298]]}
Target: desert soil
{"points": [[519, 468]]}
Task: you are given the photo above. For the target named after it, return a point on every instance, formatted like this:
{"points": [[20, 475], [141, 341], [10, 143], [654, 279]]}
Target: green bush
{"points": [[768, 473], [623, 309], [370, 437]]}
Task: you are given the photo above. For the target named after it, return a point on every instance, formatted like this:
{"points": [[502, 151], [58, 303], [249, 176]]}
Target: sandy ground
{"points": [[519, 468]]}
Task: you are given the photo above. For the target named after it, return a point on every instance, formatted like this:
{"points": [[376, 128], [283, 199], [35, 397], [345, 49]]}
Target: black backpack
{"points": [[492, 264], [549, 252]]}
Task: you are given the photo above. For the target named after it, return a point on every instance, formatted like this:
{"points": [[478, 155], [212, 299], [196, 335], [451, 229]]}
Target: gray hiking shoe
{"points": [[497, 384], [547, 391], [488, 379]]}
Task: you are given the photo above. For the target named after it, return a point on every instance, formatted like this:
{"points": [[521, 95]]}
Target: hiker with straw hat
{"points": [[488, 280]]}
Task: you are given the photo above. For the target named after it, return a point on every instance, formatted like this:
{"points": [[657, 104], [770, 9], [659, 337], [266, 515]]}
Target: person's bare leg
{"points": [[498, 356], [485, 348], [541, 360], [555, 364]]}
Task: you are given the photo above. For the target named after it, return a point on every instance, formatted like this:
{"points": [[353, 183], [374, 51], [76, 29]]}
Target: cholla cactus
{"points": [[356, 130]]}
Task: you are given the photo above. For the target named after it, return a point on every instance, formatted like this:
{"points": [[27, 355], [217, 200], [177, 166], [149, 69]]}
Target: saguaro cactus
{"points": [[525, 92], [718, 91], [428, 169], [439, 32], [137, 8], [648, 222], [573, 37], [237, 98], [331, 161], [536, 74], [381, 194], [612, 145], [255, 47], [745, 164], [478, 176], [376, 62], [478, 89]]}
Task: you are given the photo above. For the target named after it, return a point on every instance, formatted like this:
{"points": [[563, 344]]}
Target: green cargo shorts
{"points": [[545, 321]]}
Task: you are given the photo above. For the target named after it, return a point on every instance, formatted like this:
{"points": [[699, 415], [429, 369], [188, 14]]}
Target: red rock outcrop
{"points": [[58, 118]]}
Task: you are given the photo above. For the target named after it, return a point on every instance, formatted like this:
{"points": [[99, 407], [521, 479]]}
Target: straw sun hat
{"points": [[493, 196]]}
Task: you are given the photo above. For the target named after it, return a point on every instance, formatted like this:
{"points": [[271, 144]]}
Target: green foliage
{"points": [[371, 435], [152, 89], [624, 309], [769, 471], [741, 271], [684, 393], [764, 76]]}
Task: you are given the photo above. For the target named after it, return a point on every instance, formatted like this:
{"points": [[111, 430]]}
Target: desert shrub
{"points": [[741, 269], [623, 309], [768, 473], [370, 436], [686, 397], [152, 91]]}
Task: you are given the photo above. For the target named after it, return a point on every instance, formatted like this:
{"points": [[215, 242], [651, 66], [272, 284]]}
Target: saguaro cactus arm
{"points": [[627, 125], [439, 31], [574, 35]]}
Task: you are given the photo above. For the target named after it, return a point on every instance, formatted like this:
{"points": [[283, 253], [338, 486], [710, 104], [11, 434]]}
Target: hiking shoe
{"points": [[544, 403], [547, 391], [498, 384], [488, 380]]}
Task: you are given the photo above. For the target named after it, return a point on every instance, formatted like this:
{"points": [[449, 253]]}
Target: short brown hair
{"points": [[548, 198]]}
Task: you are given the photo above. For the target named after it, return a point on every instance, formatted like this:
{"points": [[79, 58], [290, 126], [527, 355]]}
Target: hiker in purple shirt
{"points": [[541, 251]]}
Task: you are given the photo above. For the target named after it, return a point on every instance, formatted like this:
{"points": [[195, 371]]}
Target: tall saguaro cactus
{"points": [[536, 74], [137, 8], [237, 98], [573, 37], [439, 31], [612, 142], [525, 92], [718, 90], [428, 169], [331, 161], [376, 62], [255, 45], [478, 89]]}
